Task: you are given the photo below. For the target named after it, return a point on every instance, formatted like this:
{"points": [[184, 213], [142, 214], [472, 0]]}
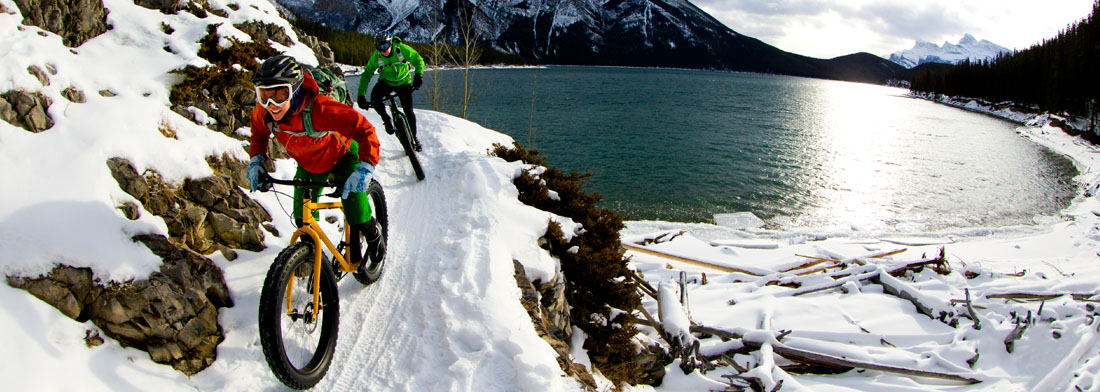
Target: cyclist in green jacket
{"points": [[400, 69]]}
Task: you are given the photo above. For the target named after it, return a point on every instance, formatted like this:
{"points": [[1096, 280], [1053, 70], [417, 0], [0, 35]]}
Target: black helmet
{"points": [[383, 42], [280, 69]]}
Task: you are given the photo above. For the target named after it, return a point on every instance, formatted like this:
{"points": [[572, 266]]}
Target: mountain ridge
{"points": [[644, 33], [968, 47]]}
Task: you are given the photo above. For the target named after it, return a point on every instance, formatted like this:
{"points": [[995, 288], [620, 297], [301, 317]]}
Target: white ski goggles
{"points": [[276, 95]]}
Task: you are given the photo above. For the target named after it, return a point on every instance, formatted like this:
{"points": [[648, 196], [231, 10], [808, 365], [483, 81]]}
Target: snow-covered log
{"points": [[676, 326], [812, 358], [928, 305]]}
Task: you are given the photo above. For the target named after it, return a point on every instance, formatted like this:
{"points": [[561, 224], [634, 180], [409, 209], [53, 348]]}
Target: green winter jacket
{"points": [[390, 68]]}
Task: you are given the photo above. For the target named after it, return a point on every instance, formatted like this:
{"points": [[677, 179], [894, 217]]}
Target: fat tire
{"points": [[378, 199], [404, 134], [272, 308]]}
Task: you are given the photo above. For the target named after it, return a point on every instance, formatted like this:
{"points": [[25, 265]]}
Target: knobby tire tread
{"points": [[381, 213], [404, 134], [271, 309]]}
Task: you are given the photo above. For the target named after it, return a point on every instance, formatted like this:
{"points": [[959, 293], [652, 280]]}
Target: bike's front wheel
{"points": [[298, 338], [404, 135]]}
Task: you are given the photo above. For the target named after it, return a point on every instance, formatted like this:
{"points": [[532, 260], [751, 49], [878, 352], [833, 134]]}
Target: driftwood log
{"points": [[1043, 297], [696, 262], [831, 362]]}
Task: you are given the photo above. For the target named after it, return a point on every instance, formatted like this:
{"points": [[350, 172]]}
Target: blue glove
{"points": [[255, 168], [359, 180]]}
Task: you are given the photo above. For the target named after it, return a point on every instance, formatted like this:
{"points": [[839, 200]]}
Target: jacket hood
{"points": [[306, 94]]}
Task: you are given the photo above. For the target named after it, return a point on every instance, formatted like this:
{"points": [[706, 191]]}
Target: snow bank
{"points": [[857, 318], [444, 316]]}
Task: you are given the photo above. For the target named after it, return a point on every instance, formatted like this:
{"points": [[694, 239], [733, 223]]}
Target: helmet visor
{"points": [[384, 46], [277, 95]]}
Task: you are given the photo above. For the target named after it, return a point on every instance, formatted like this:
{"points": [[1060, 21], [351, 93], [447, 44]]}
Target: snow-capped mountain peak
{"points": [[968, 47], [642, 33]]}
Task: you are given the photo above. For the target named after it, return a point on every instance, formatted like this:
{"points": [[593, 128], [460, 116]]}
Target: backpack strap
{"points": [[400, 59], [400, 56], [307, 119]]}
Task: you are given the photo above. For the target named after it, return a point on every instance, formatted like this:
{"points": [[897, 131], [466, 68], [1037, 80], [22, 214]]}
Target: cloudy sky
{"points": [[831, 28]]}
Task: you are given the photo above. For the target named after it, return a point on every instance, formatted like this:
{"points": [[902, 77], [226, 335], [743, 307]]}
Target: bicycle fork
{"points": [[313, 231]]}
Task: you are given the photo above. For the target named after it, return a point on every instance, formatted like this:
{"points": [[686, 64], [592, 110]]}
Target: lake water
{"points": [[681, 145]]}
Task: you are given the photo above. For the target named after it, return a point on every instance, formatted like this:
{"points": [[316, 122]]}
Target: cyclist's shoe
{"points": [[389, 127], [376, 244]]}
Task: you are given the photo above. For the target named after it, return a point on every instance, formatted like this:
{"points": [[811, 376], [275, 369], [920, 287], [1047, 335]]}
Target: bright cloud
{"points": [[831, 28]]}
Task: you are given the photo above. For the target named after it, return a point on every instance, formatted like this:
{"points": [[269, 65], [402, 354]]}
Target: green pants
{"points": [[356, 206]]}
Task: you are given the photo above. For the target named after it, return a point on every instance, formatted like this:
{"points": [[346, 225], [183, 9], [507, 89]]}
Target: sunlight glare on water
{"points": [[860, 148]]}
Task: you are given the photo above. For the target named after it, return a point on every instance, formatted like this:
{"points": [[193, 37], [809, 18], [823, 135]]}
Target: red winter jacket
{"points": [[336, 125]]}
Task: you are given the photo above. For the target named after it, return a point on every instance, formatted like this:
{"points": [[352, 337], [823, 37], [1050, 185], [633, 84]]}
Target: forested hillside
{"points": [[1058, 75]]}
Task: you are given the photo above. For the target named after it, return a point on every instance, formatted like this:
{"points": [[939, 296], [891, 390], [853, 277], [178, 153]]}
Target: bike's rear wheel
{"points": [[404, 134], [297, 344], [372, 271]]}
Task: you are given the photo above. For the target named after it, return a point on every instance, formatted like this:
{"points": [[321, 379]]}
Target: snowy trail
{"points": [[427, 313]]}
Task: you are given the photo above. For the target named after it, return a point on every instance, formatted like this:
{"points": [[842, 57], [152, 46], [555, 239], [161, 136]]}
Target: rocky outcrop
{"points": [[207, 214], [229, 106], [166, 7], [263, 32], [76, 21], [546, 305], [325, 55], [27, 110], [173, 315]]}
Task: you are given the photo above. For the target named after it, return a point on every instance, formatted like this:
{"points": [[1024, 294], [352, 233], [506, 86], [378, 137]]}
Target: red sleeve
{"points": [[353, 125], [368, 140], [260, 133]]}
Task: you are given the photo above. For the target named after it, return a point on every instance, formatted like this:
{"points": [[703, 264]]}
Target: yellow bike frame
{"points": [[312, 229]]}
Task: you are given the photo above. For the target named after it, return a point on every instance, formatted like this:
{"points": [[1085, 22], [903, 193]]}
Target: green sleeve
{"points": [[368, 74], [417, 61]]}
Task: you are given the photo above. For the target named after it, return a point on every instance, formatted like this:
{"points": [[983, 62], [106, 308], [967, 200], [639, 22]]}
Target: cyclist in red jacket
{"points": [[325, 137]]}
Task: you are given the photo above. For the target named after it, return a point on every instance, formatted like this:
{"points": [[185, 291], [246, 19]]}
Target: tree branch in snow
{"points": [[1017, 333], [1043, 297], [662, 238], [973, 314], [656, 325], [643, 285]]}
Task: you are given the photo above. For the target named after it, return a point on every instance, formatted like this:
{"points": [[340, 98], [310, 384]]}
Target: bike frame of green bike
{"points": [[404, 133]]}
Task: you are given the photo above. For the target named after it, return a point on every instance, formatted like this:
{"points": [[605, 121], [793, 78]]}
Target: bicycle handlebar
{"points": [[268, 179]]}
